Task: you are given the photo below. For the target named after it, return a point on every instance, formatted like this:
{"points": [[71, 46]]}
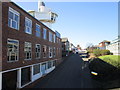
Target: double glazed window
{"points": [[28, 50], [44, 33], [54, 38], [50, 52], [54, 63], [38, 32], [49, 64], [28, 25], [50, 36], [13, 49], [54, 51], [38, 51], [13, 18], [44, 50], [36, 69]]}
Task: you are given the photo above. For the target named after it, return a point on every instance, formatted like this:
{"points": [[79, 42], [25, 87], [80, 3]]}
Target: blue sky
{"points": [[83, 22]]}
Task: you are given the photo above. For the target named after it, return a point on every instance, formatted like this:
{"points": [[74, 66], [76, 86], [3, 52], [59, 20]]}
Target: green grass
{"points": [[112, 59]]}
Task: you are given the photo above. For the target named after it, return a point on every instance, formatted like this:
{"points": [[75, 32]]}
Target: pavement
{"points": [[71, 73]]}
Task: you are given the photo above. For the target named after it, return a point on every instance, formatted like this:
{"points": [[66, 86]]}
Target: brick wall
{"points": [[20, 35]]}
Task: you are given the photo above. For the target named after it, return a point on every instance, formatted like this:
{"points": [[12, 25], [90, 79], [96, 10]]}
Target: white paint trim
{"points": [[32, 76], [50, 69], [19, 78], [26, 84]]}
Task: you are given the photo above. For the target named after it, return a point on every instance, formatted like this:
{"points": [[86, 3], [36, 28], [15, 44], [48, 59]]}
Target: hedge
{"points": [[98, 52]]}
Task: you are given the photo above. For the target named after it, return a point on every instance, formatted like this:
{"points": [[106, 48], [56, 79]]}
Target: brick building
{"points": [[28, 48], [65, 47]]}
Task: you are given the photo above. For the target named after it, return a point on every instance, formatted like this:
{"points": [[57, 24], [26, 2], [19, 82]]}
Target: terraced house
{"points": [[28, 48]]}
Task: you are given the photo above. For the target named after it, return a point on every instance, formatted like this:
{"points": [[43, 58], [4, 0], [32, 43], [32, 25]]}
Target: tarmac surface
{"points": [[73, 72]]}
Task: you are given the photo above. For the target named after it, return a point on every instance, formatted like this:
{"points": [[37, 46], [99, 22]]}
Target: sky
{"points": [[83, 22]]}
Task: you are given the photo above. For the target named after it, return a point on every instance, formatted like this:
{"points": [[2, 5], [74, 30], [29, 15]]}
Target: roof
{"points": [[64, 39], [105, 41]]}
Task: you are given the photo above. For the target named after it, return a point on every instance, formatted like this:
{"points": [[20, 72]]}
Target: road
{"points": [[72, 73]]}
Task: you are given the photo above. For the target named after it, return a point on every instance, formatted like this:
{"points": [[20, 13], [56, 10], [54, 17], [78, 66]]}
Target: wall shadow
{"points": [[108, 74]]}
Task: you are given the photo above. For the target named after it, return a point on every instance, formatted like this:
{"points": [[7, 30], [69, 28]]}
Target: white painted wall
{"points": [[50, 69], [19, 78], [42, 16], [33, 77], [114, 48]]}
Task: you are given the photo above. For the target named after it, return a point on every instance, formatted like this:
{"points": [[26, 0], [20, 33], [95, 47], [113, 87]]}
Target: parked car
{"points": [[76, 52], [83, 55]]}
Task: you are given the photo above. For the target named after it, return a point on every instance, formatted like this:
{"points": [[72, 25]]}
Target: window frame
{"points": [[50, 36], [49, 64], [38, 52], [27, 51], [11, 20], [34, 69], [44, 52], [17, 52], [36, 32], [54, 38], [54, 52], [50, 52], [26, 20], [44, 33]]}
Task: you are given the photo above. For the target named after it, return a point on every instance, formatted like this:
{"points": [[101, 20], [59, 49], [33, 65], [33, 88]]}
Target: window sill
{"points": [[13, 28], [27, 59], [37, 58], [12, 61]]}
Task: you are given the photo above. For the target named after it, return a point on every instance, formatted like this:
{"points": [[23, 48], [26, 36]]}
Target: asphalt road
{"points": [[72, 73]]}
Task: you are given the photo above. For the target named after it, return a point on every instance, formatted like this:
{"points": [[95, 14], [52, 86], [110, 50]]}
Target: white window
{"points": [[57, 40], [13, 18], [54, 62], [44, 33], [13, 50], [59, 51], [54, 51], [28, 51], [36, 69], [28, 25], [49, 64], [50, 36], [38, 51], [50, 52], [54, 38], [38, 32], [44, 51]]}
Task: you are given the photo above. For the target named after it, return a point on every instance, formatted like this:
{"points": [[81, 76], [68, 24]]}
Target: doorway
{"points": [[9, 80]]}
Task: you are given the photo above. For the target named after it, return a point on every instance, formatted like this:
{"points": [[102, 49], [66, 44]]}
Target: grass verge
{"points": [[112, 59]]}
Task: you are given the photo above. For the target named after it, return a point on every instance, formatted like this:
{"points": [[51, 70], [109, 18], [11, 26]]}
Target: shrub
{"points": [[90, 51], [105, 52], [97, 52]]}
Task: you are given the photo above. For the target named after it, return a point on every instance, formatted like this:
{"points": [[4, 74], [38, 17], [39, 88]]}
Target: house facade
{"points": [[65, 46], [102, 45], [28, 48], [114, 47]]}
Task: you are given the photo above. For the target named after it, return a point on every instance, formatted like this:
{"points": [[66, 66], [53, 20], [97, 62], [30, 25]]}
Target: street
{"points": [[72, 73]]}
